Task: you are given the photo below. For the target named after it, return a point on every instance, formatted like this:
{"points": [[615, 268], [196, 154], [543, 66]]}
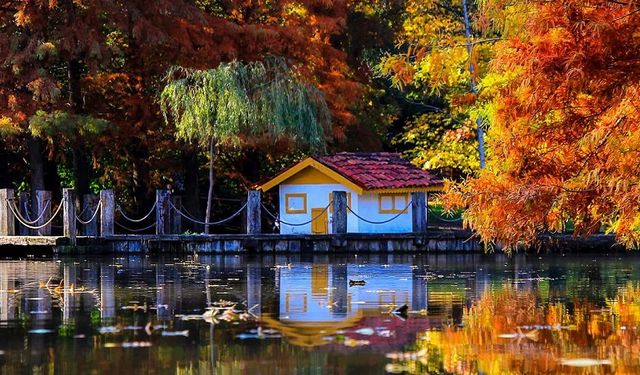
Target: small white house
{"points": [[378, 186]]}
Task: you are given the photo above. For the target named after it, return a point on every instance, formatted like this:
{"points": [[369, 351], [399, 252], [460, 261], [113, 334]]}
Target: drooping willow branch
{"points": [[251, 99]]}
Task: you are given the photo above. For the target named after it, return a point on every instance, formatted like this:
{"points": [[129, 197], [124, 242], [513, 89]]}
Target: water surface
{"points": [[465, 314]]}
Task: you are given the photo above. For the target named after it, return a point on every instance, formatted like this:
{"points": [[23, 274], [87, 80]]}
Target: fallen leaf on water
{"points": [[184, 333], [133, 344], [111, 329], [407, 355], [365, 331], [394, 368], [584, 362], [40, 331], [354, 343]]}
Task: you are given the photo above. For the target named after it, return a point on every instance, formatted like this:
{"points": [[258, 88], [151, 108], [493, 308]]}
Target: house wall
{"points": [[369, 209], [366, 205], [317, 197]]}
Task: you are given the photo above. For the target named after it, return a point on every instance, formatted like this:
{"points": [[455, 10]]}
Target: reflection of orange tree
{"points": [[508, 331]]}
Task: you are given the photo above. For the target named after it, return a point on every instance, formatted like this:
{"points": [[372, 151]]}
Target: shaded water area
{"points": [[465, 314]]}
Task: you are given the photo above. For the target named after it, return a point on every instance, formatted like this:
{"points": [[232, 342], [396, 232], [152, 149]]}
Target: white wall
{"points": [[365, 205], [368, 209], [317, 197]]}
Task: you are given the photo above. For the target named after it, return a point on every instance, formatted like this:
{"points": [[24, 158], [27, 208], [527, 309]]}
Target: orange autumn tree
{"points": [[565, 128], [117, 52]]}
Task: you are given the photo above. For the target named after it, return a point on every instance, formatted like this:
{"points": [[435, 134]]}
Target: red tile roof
{"points": [[380, 170]]}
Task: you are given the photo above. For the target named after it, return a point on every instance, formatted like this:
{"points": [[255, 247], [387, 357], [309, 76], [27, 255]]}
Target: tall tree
{"points": [[565, 131], [444, 50], [238, 102]]}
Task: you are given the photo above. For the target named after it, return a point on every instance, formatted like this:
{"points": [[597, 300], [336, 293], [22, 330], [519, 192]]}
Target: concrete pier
{"points": [[433, 241]]}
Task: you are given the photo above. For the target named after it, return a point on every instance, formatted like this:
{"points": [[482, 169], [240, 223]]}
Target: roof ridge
{"points": [[363, 153], [375, 170]]}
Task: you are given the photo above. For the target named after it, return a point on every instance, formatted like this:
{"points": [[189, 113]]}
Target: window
{"points": [[295, 203], [392, 203], [331, 201]]}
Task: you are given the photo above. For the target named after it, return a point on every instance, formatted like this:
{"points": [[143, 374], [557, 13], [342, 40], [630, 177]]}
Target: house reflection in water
{"points": [[321, 292], [317, 300]]}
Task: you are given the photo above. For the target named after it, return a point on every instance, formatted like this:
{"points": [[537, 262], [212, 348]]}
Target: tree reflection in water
{"points": [[507, 331]]}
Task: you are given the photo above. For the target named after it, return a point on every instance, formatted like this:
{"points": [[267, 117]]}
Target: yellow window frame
{"points": [[295, 195], [331, 201], [395, 197]]}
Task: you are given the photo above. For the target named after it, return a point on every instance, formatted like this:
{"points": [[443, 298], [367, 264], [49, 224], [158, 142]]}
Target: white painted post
{"points": [[69, 214], [339, 223], [7, 219], [107, 212], [254, 213], [162, 211], [419, 212], [23, 201], [43, 199]]}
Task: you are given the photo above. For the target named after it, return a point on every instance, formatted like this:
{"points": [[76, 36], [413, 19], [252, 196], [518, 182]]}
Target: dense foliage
{"points": [[552, 86], [443, 52], [564, 127], [79, 86], [80, 82]]}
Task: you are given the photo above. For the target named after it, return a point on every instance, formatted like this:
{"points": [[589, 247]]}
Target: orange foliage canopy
{"points": [[141, 39], [565, 132], [124, 48]]}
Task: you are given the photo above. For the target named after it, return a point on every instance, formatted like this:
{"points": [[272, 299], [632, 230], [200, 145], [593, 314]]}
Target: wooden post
{"points": [[339, 222], [23, 201], [69, 214], [7, 219], [43, 200], [107, 212], [89, 205], [176, 218], [254, 213], [162, 212], [419, 212]]}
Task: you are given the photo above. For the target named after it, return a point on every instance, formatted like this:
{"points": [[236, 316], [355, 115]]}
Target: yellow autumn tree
{"points": [[444, 50]]}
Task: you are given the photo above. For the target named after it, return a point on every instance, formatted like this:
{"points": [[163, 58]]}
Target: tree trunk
{"points": [[191, 200], [138, 153], [212, 149], [36, 164], [251, 164], [6, 178], [80, 162], [80, 170], [474, 87]]}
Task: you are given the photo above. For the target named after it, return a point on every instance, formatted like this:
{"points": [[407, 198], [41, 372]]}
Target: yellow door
{"points": [[320, 225]]}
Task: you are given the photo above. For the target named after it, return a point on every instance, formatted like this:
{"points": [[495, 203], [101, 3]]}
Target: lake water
{"points": [[464, 314]]}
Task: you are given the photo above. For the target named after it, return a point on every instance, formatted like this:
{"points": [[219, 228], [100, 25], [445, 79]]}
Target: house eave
{"points": [[309, 162], [426, 189]]}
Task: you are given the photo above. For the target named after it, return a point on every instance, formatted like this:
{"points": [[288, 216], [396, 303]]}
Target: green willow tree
{"points": [[238, 103]]}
